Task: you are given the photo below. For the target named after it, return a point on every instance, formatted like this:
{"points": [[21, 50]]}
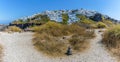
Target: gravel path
{"points": [[19, 48]]}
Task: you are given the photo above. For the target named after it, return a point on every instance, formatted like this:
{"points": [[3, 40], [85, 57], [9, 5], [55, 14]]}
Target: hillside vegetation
{"points": [[53, 38], [84, 18], [83, 21], [88, 23], [111, 39]]}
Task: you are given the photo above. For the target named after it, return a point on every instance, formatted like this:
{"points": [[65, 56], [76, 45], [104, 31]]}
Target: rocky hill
{"points": [[86, 17], [56, 15]]}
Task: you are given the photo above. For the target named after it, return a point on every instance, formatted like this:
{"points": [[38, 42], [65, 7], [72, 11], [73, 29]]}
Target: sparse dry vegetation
{"points": [[56, 29], [78, 43], [111, 39], [49, 45], [49, 38], [14, 29]]}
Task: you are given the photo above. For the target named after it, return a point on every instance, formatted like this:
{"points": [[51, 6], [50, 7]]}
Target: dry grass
{"points": [[89, 34], [1, 53], [56, 29], [111, 39], [78, 43], [14, 29], [49, 45], [49, 38]]}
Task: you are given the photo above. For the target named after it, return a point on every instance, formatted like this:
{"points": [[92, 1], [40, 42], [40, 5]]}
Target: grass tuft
{"points": [[78, 43], [49, 45], [111, 39], [14, 29]]}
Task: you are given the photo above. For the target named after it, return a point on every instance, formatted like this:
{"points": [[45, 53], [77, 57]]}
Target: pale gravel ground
{"points": [[19, 48]]}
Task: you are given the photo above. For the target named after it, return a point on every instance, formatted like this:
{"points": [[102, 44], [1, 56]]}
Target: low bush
{"points": [[14, 29], [65, 18], [101, 25], [87, 21]]}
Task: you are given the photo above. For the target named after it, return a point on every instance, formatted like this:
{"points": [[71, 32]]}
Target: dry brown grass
{"points": [[111, 39], [56, 29], [89, 34], [49, 45], [78, 43], [14, 29], [49, 38]]}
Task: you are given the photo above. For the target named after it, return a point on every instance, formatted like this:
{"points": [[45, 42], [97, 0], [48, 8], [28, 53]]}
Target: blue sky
{"points": [[14, 9]]}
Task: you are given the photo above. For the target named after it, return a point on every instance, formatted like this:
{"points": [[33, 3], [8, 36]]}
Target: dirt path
{"points": [[19, 48]]}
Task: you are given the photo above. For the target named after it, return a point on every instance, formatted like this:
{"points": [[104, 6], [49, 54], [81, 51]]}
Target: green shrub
{"points": [[101, 25], [87, 21], [82, 17], [19, 21], [65, 18], [40, 18]]}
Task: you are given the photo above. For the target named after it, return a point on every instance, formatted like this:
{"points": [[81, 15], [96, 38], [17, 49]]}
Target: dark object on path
{"points": [[69, 52], [100, 31], [64, 37]]}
